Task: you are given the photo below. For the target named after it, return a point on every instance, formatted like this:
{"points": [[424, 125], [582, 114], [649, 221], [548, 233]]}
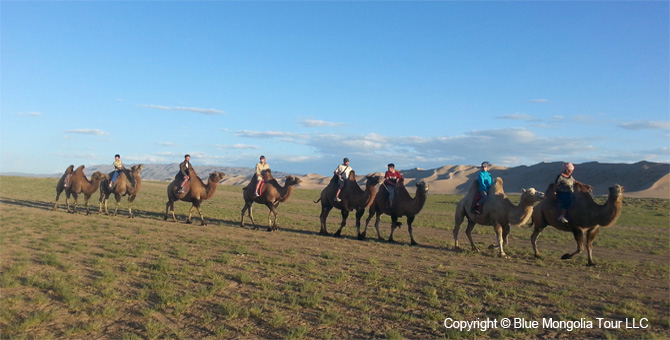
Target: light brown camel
{"points": [[352, 198], [403, 205], [498, 211], [122, 187], [60, 186], [585, 217], [195, 192], [271, 195], [79, 184]]}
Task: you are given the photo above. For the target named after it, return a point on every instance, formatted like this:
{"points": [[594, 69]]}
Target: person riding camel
{"points": [[485, 182], [391, 182], [342, 172], [260, 166], [565, 188], [118, 167], [184, 172]]}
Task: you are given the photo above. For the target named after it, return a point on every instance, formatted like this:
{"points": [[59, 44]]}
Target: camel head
{"points": [[292, 180], [137, 168], [422, 186], [616, 191], [99, 176], [216, 177], [374, 179], [532, 195]]}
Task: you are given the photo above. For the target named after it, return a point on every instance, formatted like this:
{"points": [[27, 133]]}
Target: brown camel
{"points": [[352, 196], [79, 184], [271, 195], [195, 192], [585, 217], [498, 212], [122, 187], [60, 186], [403, 205]]}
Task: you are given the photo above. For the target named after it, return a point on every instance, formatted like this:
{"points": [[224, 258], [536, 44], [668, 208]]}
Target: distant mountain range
{"points": [[642, 179]]}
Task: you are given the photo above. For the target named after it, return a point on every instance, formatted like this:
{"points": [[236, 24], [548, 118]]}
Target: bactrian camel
{"points": [[403, 205], [271, 195], [195, 192], [585, 217], [498, 211], [79, 184], [121, 187], [352, 197], [60, 186]]}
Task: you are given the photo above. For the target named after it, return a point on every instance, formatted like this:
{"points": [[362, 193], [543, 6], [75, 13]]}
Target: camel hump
{"points": [[70, 169], [497, 187], [80, 168], [352, 176], [474, 188]]}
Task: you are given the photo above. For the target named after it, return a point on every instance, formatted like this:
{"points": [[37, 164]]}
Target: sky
{"points": [[306, 83]]}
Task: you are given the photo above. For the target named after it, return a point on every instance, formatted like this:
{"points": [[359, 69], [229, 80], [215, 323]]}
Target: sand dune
{"points": [[643, 179]]}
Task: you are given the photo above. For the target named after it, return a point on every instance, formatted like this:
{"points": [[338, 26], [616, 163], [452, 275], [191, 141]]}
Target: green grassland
{"points": [[81, 277]]}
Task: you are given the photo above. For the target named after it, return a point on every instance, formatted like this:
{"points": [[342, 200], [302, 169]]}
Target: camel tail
{"points": [[317, 201]]}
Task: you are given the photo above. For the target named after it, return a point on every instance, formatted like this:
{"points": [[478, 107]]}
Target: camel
{"points": [[195, 192], [122, 187], [271, 195], [585, 217], [403, 205], [352, 196], [60, 186], [498, 211], [79, 184]]}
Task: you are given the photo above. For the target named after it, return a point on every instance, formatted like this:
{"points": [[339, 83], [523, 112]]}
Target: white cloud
{"points": [[166, 144], [646, 125], [238, 146], [516, 116], [187, 109], [318, 123], [96, 132], [29, 114]]}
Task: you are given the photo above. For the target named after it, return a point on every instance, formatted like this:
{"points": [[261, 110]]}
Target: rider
{"points": [[484, 185], [184, 172], [565, 189], [342, 173], [118, 166], [260, 166], [391, 182]]}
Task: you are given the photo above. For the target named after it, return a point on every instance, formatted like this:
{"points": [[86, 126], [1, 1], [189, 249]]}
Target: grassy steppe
{"points": [[82, 277]]}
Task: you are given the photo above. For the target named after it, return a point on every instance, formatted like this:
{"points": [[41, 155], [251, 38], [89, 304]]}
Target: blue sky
{"points": [[420, 84]]}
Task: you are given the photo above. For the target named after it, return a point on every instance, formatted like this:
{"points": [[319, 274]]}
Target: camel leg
{"points": [[202, 217], [539, 227], [361, 236], [458, 220], [590, 236], [505, 237], [251, 216], [394, 222], [325, 210], [86, 198], [131, 199], [499, 236], [410, 220], [579, 237], [345, 214], [56, 201], [190, 213], [272, 225], [244, 209], [117, 197], [359, 215], [468, 233], [74, 205]]}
